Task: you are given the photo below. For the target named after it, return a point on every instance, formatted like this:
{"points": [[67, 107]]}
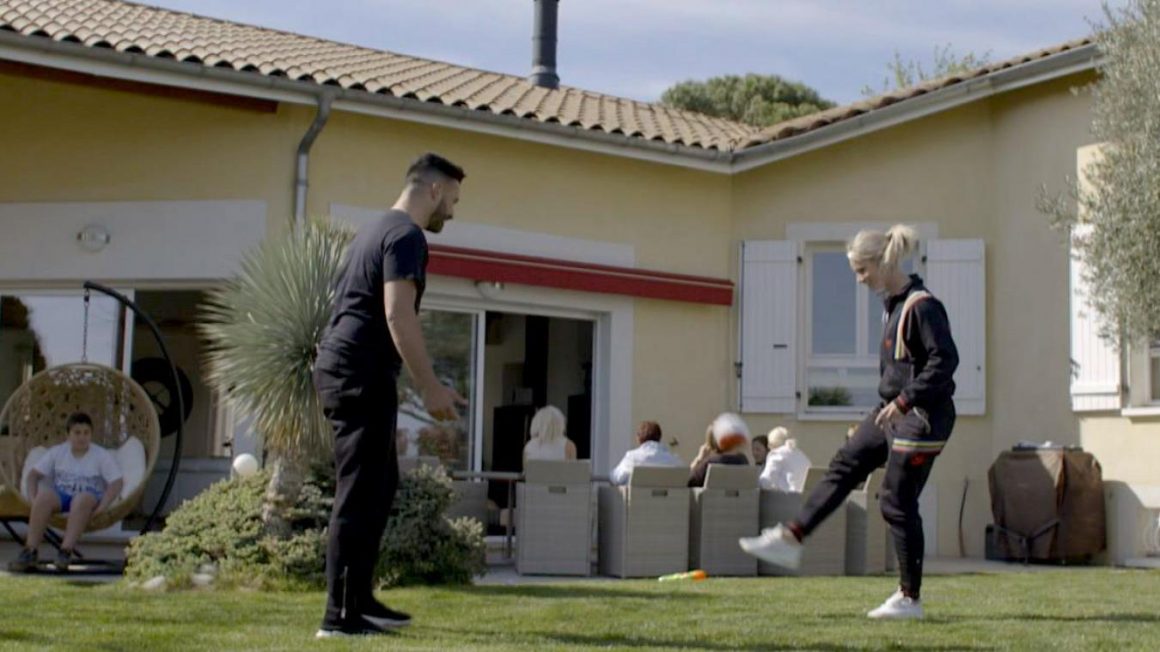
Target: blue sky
{"points": [[637, 48]]}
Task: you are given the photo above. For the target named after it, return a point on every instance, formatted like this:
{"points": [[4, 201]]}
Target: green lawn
{"points": [[1069, 609]]}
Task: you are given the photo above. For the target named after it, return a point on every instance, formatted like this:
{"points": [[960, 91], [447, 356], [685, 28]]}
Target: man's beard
{"points": [[435, 224], [438, 219]]}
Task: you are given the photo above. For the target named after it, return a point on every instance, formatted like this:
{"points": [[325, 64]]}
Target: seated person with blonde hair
{"points": [[785, 465], [725, 443], [84, 480], [650, 451], [548, 441]]}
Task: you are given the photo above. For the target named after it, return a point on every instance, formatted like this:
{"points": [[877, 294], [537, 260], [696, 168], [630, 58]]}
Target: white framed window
{"points": [[1139, 362], [843, 330], [842, 326]]}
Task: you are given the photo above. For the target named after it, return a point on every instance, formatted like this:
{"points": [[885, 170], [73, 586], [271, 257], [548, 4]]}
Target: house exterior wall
{"points": [[675, 220], [70, 142], [974, 171]]}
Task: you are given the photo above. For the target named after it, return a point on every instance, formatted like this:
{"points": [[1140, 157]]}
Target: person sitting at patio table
{"points": [[548, 441], [786, 465], [650, 451], [725, 443], [760, 445]]}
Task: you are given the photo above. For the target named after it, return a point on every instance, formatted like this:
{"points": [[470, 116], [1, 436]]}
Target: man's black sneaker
{"points": [[25, 562], [358, 626], [383, 616]]}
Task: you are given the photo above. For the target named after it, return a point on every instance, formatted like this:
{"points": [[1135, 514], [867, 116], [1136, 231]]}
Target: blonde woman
{"points": [[905, 432], [548, 441]]}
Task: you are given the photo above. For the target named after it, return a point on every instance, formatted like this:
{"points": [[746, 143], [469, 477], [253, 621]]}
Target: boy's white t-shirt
{"points": [[90, 473]]}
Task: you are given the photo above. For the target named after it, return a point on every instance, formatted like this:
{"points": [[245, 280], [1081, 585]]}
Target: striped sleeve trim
{"points": [[917, 445]]}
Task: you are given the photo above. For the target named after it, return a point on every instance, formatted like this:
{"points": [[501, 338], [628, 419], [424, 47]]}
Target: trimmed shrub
{"points": [[222, 528], [421, 546]]}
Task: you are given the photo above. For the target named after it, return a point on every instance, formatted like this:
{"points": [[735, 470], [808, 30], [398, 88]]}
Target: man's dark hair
{"points": [[429, 167], [763, 439], [648, 431], [78, 418]]}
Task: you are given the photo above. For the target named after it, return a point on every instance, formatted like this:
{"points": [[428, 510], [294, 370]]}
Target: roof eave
{"points": [[111, 63], [105, 62], [1070, 62]]}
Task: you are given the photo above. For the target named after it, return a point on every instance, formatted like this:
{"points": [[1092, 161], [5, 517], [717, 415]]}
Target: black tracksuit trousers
{"points": [[906, 474]]}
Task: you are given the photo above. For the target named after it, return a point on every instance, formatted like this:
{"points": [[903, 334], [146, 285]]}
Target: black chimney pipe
{"points": [[544, 44]]}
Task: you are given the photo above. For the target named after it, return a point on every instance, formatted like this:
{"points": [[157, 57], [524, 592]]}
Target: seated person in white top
{"points": [[85, 480], [649, 452], [548, 441], [785, 465]]}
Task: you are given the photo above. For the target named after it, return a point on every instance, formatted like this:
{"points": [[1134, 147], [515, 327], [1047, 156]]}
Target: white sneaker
{"points": [[898, 607], [776, 545]]}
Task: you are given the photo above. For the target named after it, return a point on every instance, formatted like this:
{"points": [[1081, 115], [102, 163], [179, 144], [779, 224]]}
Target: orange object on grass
{"points": [[690, 575]]}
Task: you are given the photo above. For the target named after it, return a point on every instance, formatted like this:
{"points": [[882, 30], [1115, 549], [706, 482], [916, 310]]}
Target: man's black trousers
{"points": [[362, 415]]}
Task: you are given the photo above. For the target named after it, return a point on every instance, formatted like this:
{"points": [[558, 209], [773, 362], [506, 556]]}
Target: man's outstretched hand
{"points": [[440, 401]]}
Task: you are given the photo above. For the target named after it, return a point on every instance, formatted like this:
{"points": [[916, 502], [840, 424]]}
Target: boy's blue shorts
{"points": [[66, 498]]}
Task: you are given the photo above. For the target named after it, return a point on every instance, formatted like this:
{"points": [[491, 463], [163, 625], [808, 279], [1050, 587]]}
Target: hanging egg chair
{"points": [[124, 420]]}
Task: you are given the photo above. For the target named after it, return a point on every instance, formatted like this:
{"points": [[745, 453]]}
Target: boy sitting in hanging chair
{"points": [[83, 480]]}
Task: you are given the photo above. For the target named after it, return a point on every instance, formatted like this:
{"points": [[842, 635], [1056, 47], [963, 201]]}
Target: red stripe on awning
{"points": [[491, 266]]}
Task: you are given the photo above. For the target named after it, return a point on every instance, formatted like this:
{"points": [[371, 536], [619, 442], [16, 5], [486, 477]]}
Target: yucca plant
{"points": [[261, 330]]}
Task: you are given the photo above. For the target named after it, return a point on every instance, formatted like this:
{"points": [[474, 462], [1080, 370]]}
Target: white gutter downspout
{"points": [[301, 176]]}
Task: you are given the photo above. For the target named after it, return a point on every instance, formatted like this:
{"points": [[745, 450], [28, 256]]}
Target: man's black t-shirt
{"points": [[392, 248]]}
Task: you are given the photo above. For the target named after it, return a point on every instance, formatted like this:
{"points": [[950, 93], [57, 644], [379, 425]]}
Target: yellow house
{"points": [[619, 259]]}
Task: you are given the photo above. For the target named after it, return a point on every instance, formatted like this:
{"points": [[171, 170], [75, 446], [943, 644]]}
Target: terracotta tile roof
{"points": [[814, 121], [130, 27]]}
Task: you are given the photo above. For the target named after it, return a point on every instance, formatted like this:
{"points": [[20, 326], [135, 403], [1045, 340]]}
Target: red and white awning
{"points": [[500, 267]]}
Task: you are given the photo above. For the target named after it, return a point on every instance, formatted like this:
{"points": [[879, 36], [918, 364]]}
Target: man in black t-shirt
{"points": [[373, 332]]}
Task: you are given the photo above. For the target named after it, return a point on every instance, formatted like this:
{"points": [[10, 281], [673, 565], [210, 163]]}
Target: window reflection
{"points": [[38, 331], [846, 322], [833, 299], [450, 338]]}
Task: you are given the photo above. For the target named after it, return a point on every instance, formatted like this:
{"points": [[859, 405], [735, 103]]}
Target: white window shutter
{"points": [[1095, 380], [956, 275], [769, 298]]}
